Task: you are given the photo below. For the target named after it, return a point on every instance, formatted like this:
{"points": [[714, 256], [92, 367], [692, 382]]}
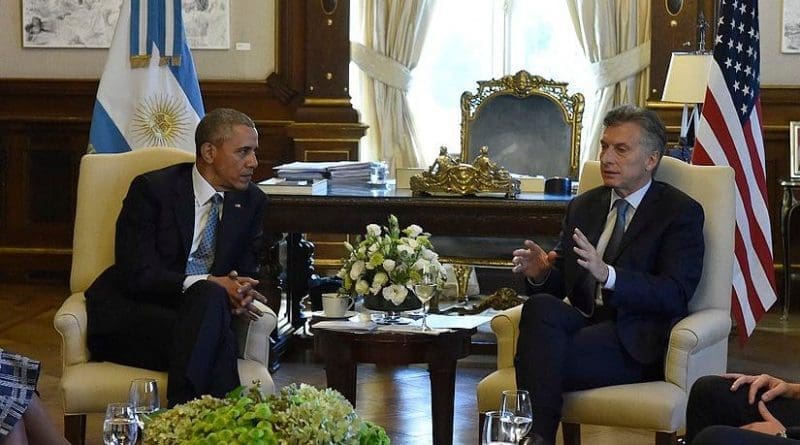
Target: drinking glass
{"points": [[497, 429], [425, 290], [119, 425], [143, 397], [517, 404]]}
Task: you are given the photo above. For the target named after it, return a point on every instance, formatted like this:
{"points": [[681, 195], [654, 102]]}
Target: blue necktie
{"points": [[202, 258], [612, 247]]}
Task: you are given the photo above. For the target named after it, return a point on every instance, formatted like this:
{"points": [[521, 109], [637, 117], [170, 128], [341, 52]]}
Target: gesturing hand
{"points": [[588, 257], [532, 261]]}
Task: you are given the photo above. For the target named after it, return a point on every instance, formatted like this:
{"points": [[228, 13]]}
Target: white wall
{"points": [[252, 21], [776, 68]]}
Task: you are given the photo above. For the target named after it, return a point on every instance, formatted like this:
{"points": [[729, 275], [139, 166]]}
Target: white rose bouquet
{"points": [[386, 264]]}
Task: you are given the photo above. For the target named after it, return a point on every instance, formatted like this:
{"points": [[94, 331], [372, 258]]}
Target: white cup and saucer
{"points": [[335, 305]]}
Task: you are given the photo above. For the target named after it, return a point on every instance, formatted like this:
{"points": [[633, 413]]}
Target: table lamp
{"points": [[687, 79]]}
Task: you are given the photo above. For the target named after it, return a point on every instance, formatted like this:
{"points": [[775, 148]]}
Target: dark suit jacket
{"points": [[153, 239], [658, 265]]}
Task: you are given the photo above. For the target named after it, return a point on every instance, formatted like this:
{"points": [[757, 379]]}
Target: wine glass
{"points": [[517, 404], [143, 397], [497, 429], [119, 425], [425, 290]]}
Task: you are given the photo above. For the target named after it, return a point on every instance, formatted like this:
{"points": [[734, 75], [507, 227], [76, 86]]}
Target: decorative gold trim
{"points": [[328, 262], [326, 102], [326, 139], [325, 10], [142, 61], [669, 11], [346, 153], [343, 125], [479, 262], [523, 85], [34, 251], [448, 176]]}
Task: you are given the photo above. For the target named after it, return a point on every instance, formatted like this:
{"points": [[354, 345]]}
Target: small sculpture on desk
{"points": [[488, 167], [443, 162], [447, 176], [504, 298]]}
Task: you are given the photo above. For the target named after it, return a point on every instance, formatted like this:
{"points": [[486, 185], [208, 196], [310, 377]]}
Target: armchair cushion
{"points": [[659, 405]]}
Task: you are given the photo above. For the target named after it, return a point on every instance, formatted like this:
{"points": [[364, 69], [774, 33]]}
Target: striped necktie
{"points": [[202, 258], [612, 247]]}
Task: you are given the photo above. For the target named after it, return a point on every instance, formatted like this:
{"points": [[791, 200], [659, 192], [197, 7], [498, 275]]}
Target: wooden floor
{"points": [[396, 398]]}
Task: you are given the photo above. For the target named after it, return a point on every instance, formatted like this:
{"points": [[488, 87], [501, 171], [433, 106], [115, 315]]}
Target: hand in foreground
{"points": [[770, 425], [532, 261], [241, 293], [774, 386], [588, 257]]}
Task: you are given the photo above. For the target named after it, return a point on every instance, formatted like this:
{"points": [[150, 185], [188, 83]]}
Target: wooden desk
{"points": [[348, 210], [343, 350]]}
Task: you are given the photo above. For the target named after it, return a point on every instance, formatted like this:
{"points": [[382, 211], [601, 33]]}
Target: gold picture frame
{"points": [[794, 149]]}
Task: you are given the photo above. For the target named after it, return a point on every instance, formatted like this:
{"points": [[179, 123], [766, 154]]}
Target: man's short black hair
{"points": [[217, 126]]}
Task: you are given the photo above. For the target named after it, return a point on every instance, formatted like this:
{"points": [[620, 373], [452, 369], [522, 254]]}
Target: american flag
{"points": [[730, 134]]}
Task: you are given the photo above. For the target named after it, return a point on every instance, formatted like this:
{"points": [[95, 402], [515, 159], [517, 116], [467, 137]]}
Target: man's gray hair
{"points": [[654, 134]]}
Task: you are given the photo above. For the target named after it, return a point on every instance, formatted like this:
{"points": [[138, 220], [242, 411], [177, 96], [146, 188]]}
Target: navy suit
{"points": [[137, 311], [658, 267]]}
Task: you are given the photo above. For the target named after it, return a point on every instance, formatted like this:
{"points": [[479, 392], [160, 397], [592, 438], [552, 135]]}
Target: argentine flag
{"points": [[148, 94]]}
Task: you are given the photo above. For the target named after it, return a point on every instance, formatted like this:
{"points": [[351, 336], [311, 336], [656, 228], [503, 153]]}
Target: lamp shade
{"points": [[687, 78]]}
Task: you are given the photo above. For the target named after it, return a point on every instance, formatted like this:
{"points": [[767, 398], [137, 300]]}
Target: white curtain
{"points": [[615, 36], [394, 32]]}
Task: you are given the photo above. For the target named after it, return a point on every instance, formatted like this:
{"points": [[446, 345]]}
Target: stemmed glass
{"points": [[497, 429], [119, 425], [143, 397], [425, 290], [517, 404]]}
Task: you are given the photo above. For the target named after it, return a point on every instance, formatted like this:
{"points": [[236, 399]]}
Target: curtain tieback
{"points": [[615, 69], [380, 67]]}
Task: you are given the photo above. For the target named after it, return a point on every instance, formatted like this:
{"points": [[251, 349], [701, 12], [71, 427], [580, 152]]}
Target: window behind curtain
{"points": [[471, 40]]}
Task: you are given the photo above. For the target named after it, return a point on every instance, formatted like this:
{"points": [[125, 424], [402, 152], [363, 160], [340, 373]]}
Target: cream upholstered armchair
{"points": [[698, 344], [87, 387]]}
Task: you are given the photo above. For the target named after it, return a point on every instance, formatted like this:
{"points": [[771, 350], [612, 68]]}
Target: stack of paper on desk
{"points": [[280, 186], [346, 325]]}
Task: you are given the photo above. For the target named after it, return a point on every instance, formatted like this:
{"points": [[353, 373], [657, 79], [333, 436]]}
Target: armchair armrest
{"points": [[254, 336], [506, 328], [70, 322], [698, 346]]}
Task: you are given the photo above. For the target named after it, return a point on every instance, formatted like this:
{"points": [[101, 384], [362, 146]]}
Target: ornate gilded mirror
{"points": [[531, 125]]}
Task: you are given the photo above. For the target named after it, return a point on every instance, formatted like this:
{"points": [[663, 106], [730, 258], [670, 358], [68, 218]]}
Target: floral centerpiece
{"points": [[385, 265], [298, 415]]}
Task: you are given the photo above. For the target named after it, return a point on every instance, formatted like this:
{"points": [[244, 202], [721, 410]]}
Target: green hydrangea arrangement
{"points": [[298, 415]]}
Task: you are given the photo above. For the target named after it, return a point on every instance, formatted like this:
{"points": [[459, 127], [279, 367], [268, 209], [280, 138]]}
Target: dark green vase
{"points": [[378, 303]]}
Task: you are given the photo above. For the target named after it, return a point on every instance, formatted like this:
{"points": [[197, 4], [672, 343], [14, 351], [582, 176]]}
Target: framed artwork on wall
{"points": [[790, 30], [794, 149], [207, 23], [85, 24], [90, 24]]}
